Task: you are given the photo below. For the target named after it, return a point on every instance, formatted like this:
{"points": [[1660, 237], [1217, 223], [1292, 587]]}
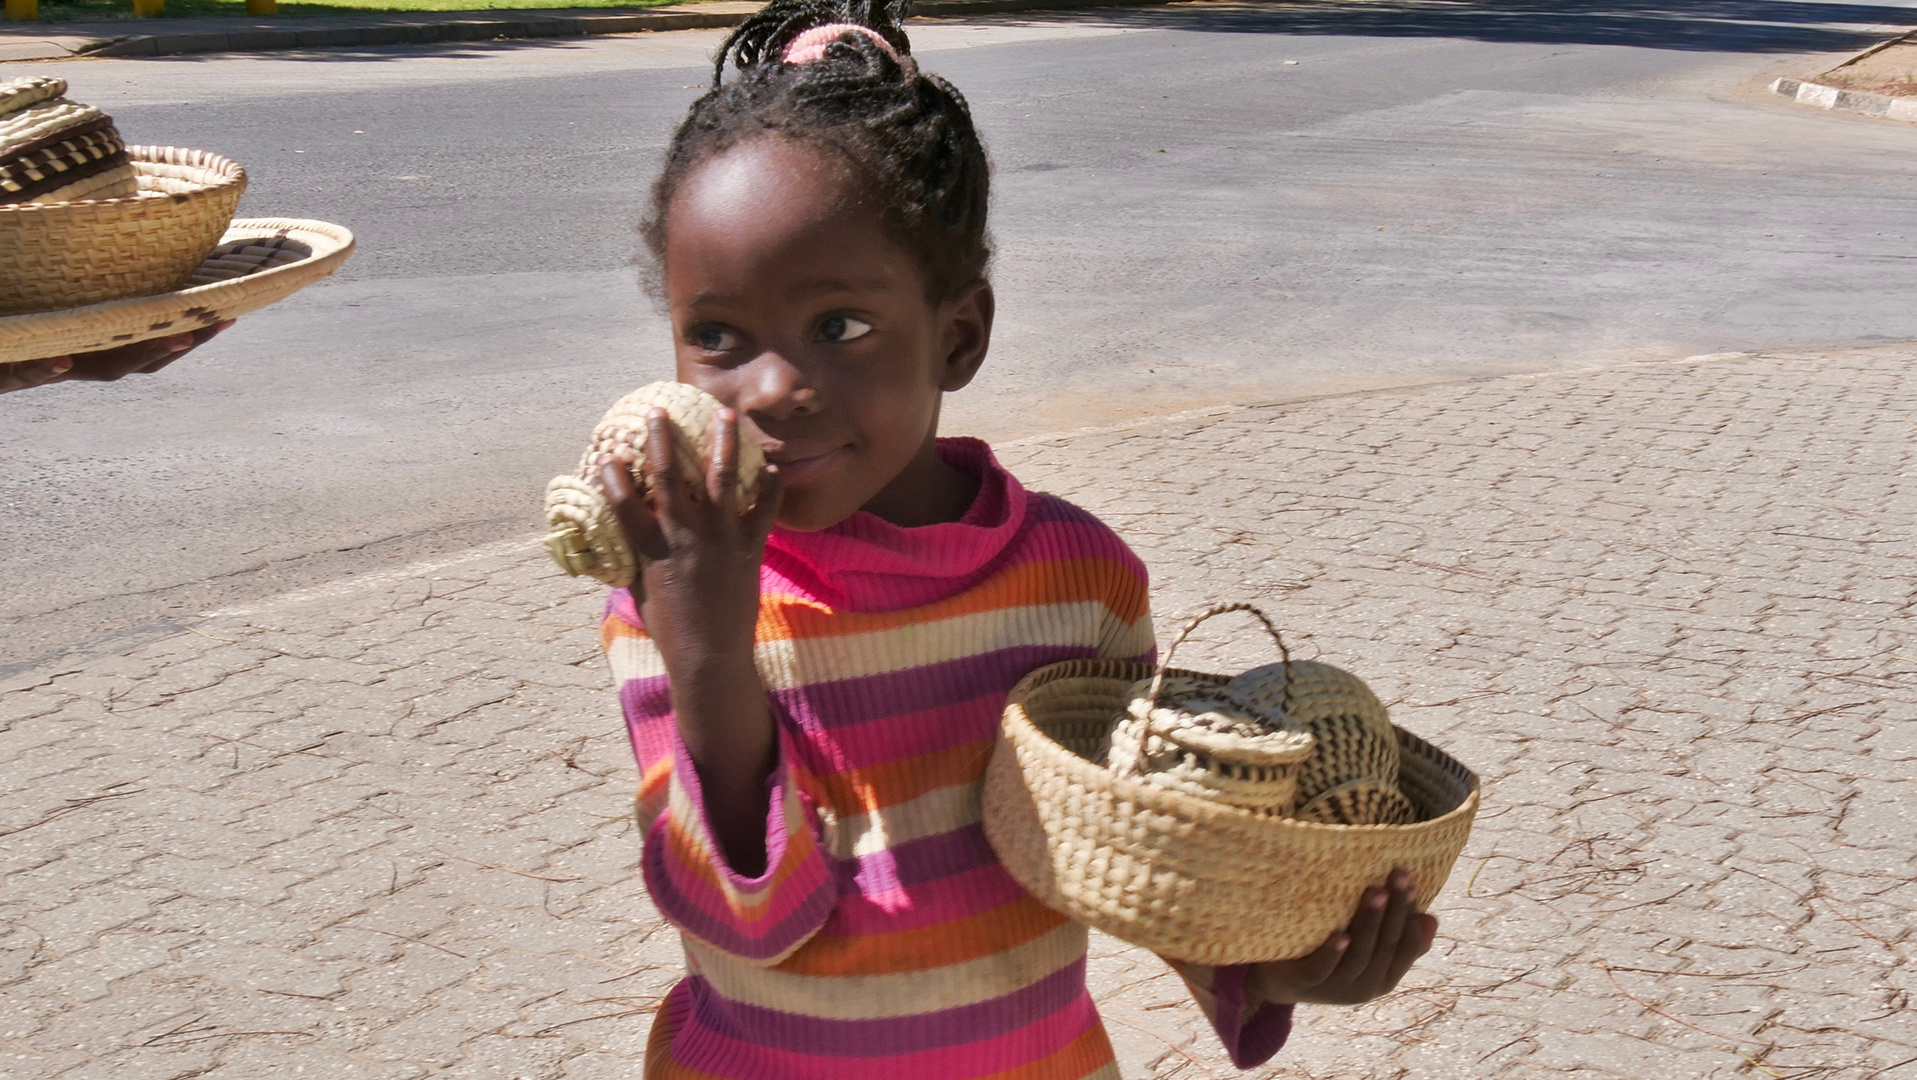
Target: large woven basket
{"points": [[63, 255], [259, 261], [1191, 878]]}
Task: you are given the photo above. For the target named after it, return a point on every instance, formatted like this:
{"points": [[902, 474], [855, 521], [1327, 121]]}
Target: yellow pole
{"points": [[262, 7], [149, 9], [23, 9]]}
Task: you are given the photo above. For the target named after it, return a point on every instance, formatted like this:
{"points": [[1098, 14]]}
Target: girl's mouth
{"points": [[802, 466]]}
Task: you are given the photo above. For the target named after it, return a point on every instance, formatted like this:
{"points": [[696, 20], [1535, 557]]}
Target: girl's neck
{"points": [[928, 492]]}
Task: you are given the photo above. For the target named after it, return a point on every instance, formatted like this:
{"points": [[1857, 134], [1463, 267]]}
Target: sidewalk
{"points": [[381, 830], [166, 37]]}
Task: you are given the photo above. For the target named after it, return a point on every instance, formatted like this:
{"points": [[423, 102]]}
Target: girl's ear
{"points": [[966, 322]]}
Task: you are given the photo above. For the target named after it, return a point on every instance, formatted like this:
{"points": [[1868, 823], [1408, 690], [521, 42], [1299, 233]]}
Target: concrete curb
{"points": [[1819, 96], [259, 36]]}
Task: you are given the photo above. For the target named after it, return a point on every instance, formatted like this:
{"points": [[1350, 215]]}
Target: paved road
{"points": [[1201, 204], [1665, 610]]}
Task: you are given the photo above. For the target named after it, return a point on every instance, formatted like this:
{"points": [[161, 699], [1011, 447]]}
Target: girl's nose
{"points": [[776, 388]]}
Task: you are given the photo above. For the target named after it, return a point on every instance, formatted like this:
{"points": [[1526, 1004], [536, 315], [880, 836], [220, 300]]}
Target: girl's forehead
{"points": [[773, 209], [768, 178]]}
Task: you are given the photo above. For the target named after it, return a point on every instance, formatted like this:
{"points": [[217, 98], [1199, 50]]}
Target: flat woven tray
{"points": [[259, 261]]}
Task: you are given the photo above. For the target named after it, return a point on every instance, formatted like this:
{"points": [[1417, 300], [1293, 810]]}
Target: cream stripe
{"points": [[792, 663], [874, 997], [937, 811]]}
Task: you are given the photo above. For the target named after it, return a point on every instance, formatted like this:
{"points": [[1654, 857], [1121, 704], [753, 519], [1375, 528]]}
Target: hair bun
{"points": [[770, 33], [811, 45]]}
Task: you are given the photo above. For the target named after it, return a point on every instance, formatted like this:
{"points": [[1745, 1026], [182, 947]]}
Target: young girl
{"points": [[813, 684]]}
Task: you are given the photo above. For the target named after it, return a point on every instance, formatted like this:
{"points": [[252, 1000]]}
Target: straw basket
{"points": [[1188, 877], [68, 254], [259, 261]]}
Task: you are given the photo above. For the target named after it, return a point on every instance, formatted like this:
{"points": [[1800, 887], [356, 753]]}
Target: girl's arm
{"points": [[732, 853], [698, 595]]}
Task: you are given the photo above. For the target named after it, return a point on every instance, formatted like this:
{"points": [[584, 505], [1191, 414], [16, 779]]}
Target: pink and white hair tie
{"points": [[810, 45]]}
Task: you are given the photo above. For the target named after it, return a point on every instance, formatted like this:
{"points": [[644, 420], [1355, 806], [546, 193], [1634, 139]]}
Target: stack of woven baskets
{"points": [[87, 222], [1217, 819]]}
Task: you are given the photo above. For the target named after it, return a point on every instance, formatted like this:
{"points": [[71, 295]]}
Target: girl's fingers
{"points": [[30, 373], [1419, 932], [629, 509], [1316, 967], [1364, 933], [1391, 927], [722, 476], [662, 469], [759, 520]]}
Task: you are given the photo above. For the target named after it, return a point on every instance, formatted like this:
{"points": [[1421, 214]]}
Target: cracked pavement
{"points": [[380, 829]]}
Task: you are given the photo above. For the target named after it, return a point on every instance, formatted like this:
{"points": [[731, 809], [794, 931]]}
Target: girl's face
{"points": [[792, 303]]}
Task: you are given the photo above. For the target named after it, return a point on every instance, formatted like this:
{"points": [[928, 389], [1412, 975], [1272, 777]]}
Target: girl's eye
{"points": [[714, 338], [843, 328]]}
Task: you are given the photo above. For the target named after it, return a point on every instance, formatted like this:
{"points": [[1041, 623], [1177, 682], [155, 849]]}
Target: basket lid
{"points": [[56, 150]]}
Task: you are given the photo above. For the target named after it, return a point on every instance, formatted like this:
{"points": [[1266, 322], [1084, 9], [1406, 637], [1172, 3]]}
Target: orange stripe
{"points": [[655, 777], [923, 948], [1084, 1055], [1064, 581], [612, 628], [859, 791]]}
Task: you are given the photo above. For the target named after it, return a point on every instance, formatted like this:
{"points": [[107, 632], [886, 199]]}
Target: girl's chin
{"points": [[802, 513]]}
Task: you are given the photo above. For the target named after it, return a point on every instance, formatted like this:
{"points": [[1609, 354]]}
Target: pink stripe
{"points": [[908, 735], [914, 906], [697, 1041]]}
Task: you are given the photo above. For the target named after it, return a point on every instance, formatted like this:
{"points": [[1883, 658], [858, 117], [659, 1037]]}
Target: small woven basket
{"points": [[1188, 877], [69, 254]]}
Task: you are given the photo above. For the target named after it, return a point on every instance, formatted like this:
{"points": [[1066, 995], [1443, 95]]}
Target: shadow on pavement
{"points": [[1785, 26], [1754, 26]]}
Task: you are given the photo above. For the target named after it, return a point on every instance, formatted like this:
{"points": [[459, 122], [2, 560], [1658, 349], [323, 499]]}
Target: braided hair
{"points": [[907, 136]]}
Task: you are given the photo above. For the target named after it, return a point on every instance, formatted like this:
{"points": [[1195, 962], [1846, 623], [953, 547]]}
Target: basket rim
{"points": [[332, 245], [226, 173], [1018, 727]]}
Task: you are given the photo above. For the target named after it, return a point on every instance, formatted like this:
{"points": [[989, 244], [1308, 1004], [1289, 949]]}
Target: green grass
{"points": [[123, 9]]}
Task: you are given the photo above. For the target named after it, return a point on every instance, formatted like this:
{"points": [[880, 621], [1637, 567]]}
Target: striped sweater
{"points": [[883, 938]]}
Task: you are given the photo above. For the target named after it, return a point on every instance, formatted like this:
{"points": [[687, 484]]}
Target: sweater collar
{"points": [[866, 563]]}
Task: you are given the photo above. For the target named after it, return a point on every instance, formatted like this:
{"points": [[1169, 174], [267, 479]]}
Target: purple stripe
{"points": [[919, 861], [827, 705], [917, 1033]]}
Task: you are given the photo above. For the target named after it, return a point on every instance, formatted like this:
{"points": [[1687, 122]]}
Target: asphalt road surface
{"points": [[1196, 205]]}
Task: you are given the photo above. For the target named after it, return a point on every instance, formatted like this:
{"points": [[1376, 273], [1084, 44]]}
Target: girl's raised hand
{"points": [[699, 590], [1363, 961]]}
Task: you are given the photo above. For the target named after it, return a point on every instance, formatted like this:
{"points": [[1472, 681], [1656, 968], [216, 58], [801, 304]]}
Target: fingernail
{"points": [[61, 364]]}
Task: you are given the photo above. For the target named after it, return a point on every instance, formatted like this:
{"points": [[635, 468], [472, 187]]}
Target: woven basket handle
{"points": [[1158, 677], [1164, 663]]}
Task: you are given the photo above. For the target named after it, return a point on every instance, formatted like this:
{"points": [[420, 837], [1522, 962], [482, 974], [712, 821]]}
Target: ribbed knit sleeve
{"points": [[760, 920], [1251, 1031]]}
